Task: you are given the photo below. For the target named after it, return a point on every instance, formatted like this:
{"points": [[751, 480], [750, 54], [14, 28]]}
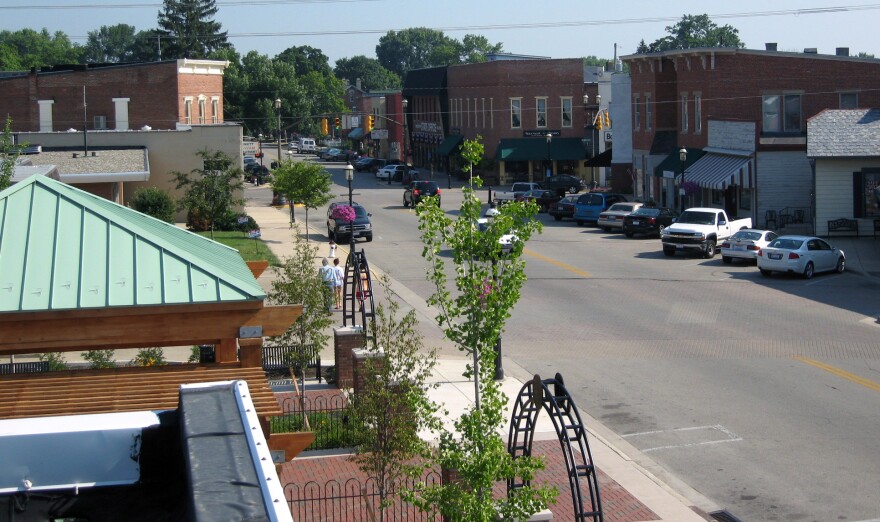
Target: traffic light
{"points": [[325, 130], [598, 121], [336, 123], [370, 121], [607, 120]]}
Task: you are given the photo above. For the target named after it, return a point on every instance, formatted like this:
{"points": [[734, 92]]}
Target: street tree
{"points": [[297, 282], [302, 182], [694, 31], [188, 29], [111, 44], [9, 153], [27, 48], [473, 308], [370, 72], [474, 48], [210, 192], [393, 407], [305, 59]]}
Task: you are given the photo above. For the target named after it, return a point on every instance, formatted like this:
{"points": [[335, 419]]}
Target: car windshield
{"points": [[360, 211], [786, 243], [747, 235], [651, 212], [591, 199], [697, 218]]}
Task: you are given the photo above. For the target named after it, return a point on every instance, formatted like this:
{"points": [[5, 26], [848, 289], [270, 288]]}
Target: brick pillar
{"points": [[346, 339], [360, 357]]}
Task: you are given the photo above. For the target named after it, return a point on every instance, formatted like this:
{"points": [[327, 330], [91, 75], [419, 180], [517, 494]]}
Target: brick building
{"points": [[159, 95], [741, 115]]}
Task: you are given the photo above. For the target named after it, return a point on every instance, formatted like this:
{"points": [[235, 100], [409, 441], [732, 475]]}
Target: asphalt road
{"points": [[761, 394]]}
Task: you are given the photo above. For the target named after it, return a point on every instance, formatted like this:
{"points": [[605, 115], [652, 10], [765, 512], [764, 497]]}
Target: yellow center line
{"points": [[560, 264], [867, 383]]}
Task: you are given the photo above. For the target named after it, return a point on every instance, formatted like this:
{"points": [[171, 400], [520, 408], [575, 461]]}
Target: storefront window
{"points": [[870, 192]]}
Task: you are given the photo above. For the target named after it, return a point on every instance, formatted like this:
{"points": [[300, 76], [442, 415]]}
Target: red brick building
{"points": [[158, 95], [741, 114]]}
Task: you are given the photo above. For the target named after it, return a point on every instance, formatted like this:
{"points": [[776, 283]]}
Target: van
{"points": [[306, 145], [588, 206]]}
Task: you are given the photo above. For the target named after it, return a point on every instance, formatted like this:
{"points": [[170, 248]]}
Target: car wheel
{"points": [[727, 259], [557, 218], [808, 270], [330, 235], [405, 204], [710, 249], [668, 252], [764, 272], [841, 265], [572, 190], [628, 233], [370, 238]]}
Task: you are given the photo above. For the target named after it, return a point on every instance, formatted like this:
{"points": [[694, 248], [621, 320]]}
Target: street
{"points": [[759, 393]]}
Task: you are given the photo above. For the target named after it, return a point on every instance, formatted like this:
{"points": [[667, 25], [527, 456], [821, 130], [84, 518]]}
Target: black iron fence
{"points": [[280, 357], [24, 367], [352, 500], [328, 417]]}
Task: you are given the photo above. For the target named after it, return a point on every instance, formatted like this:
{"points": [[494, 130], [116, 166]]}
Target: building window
{"points": [[45, 115], [215, 110], [867, 193], [649, 113], [541, 112], [483, 102], [202, 111], [684, 113], [782, 113], [100, 122], [636, 114], [516, 113], [698, 113], [492, 112], [566, 112], [187, 110], [849, 100]]}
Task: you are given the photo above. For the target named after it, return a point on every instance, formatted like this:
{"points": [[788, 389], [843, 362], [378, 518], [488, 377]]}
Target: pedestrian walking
{"points": [[327, 280], [338, 280], [332, 249]]}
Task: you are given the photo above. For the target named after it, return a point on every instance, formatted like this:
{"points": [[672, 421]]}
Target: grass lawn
{"points": [[250, 249]]}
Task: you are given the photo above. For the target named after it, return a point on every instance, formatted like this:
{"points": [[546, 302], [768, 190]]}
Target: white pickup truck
{"points": [[517, 189], [700, 229]]}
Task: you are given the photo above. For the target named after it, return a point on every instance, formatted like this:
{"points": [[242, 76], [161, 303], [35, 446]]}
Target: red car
{"points": [[564, 208], [543, 198]]}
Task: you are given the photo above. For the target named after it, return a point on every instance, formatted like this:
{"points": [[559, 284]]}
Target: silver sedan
{"points": [[804, 255], [746, 244]]}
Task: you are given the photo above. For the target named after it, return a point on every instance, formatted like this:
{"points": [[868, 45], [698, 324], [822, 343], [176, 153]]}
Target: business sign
{"points": [[608, 135], [254, 234], [249, 148], [541, 133], [379, 134]]}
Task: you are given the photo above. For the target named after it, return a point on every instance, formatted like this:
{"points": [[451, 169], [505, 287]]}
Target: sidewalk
{"points": [[632, 483]]}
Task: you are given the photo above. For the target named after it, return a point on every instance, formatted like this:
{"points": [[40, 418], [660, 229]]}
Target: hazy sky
{"points": [[554, 28]]}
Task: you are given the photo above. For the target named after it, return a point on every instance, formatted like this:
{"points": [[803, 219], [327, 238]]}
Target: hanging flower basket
{"points": [[344, 213], [690, 188]]}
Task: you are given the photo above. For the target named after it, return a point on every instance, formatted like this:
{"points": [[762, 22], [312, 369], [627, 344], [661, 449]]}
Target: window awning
{"points": [[356, 133], [449, 144], [719, 171], [537, 149], [670, 167]]}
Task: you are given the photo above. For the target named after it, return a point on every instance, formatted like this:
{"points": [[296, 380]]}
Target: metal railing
{"points": [[24, 367], [328, 417]]}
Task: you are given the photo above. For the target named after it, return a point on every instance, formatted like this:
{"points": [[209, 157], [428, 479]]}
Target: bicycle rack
{"points": [[534, 396]]}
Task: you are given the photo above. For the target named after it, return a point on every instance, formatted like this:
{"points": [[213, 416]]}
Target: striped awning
{"points": [[718, 171]]}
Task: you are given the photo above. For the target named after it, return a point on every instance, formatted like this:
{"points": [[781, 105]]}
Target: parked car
{"points": [[804, 255], [363, 164], [415, 191], [340, 231], [542, 198], [648, 221], [516, 190], [746, 244], [700, 230], [324, 154], [564, 208], [395, 171], [591, 204], [613, 217], [378, 164], [564, 183]]}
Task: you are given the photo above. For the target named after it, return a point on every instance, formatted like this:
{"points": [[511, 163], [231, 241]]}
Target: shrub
{"points": [[99, 359], [149, 357], [56, 361], [155, 202]]}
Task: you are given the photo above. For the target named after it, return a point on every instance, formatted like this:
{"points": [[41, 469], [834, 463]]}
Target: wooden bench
{"points": [[843, 225]]}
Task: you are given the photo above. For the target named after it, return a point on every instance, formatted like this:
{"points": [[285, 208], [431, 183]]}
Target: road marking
{"points": [[731, 437], [560, 264], [867, 383]]}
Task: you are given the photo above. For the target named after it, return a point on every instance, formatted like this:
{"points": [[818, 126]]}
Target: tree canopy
{"points": [[188, 29], [20, 50], [111, 43], [305, 59], [370, 72], [694, 31], [419, 47]]}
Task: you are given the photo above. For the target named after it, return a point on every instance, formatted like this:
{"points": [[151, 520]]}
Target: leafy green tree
{"points": [[372, 75], [303, 182], [305, 60], [147, 46], [36, 49], [474, 48], [9, 153], [155, 202], [110, 44], [472, 313], [99, 359], [55, 359], [210, 192], [394, 407], [190, 29], [297, 282], [694, 31], [420, 47]]}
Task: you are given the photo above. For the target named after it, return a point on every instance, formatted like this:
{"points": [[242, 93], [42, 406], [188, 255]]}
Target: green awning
{"points": [[448, 145], [537, 149], [672, 163], [356, 133]]}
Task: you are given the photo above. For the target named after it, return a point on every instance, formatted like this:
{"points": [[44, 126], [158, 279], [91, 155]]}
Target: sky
{"points": [[551, 28]]}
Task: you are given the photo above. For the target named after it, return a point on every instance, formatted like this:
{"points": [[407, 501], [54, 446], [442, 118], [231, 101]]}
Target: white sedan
{"points": [[804, 255], [746, 244], [613, 217]]}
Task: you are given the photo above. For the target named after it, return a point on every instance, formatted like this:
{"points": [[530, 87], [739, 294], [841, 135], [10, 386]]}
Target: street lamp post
{"points": [[682, 156], [405, 166], [349, 177], [278, 120], [257, 177], [549, 159]]}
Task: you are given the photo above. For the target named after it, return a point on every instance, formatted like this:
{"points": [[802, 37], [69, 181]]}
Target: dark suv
{"points": [[416, 190], [340, 231], [564, 183]]}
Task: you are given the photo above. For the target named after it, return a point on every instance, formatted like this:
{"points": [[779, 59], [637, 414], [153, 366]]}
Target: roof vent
{"points": [[770, 46], [811, 50], [842, 51]]}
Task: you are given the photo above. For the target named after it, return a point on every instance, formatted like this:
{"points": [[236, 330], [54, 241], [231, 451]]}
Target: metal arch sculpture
{"points": [[534, 396], [357, 291]]}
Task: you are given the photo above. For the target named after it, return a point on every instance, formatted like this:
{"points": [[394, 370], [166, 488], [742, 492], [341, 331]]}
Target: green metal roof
{"points": [[62, 248], [537, 149]]}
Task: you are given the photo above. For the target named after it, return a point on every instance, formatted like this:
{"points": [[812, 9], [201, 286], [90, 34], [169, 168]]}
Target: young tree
{"points": [[487, 284], [188, 29], [297, 282], [394, 407], [210, 192], [302, 182], [9, 153]]}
